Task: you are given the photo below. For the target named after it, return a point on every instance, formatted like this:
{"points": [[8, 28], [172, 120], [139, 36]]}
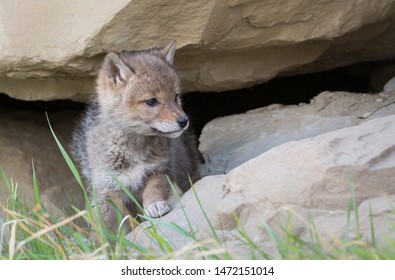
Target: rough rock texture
{"points": [[49, 50], [281, 173], [230, 141], [309, 178], [390, 85], [25, 137]]}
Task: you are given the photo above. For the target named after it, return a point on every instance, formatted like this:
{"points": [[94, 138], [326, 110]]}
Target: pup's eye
{"points": [[151, 102]]}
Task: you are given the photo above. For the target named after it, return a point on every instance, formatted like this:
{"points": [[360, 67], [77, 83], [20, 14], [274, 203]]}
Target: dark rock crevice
{"points": [[205, 106]]}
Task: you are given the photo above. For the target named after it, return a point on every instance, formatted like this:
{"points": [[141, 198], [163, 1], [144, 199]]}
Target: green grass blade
{"points": [[279, 244], [128, 193], [71, 165], [5, 180], [179, 202], [171, 226], [163, 244], [372, 232], [69, 162], [191, 230], [213, 231], [348, 221], [251, 244], [205, 215], [356, 214], [36, 192]]}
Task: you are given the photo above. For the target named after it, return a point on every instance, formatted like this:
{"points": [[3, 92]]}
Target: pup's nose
{"points": [[182, 121]]}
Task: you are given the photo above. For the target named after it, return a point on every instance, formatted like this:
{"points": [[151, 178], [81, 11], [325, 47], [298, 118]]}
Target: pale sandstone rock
{"points": [[230, 141], [50, 50], [308, 179]]}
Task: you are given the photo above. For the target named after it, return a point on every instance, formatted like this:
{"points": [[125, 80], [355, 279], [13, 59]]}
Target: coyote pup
{"points": [[133, 130]]}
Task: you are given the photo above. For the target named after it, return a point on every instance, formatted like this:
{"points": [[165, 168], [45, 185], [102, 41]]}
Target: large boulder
{"points": [[229, 141], [50, 50], [305, 186]]}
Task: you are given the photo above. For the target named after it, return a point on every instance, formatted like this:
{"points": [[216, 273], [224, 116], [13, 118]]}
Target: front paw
{"points": [[157, 209]]}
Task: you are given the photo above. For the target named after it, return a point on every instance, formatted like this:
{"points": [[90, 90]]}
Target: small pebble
{"points": [[379, 100]]}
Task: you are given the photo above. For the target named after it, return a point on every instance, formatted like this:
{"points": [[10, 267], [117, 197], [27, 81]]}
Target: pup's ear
{"points": [[168, 52], [116, 69]]}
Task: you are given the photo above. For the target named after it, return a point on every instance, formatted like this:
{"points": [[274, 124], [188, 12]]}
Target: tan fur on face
{"points": [[144, 76]]}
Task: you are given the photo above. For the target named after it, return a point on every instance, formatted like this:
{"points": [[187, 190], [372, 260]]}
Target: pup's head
{"points": [[142, 90]]}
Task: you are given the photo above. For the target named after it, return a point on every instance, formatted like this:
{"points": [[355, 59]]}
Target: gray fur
{"points": [[113, 139]]}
